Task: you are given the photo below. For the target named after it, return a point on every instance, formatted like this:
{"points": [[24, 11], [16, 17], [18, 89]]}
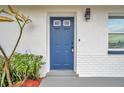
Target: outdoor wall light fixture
{"points": [[87, 14]]}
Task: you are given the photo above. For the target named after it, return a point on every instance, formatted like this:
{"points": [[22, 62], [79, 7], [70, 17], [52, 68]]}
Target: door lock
{"points": [[72, 49]]}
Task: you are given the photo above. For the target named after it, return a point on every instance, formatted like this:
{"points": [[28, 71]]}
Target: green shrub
{"points": [[24, 65], [1, 64]]}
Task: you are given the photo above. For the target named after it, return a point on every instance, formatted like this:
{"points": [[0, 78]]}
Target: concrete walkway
{"points": [[55, 80], [83, 82]]}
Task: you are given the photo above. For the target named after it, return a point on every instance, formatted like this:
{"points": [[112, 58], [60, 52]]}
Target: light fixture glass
{"points": [[87, 14]]}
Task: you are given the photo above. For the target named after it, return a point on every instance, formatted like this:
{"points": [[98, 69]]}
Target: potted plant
{"points": [[25, 69], [17, 68]]}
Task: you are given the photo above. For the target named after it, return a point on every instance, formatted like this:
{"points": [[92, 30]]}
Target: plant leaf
{"points": [[1, 10], [5, 19], [19, 18], [24, 17], [6, 12], [28, 21], [12, 10]]}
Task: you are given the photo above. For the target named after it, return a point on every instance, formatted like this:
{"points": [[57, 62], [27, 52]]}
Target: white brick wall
{"points": [[100, 66]]}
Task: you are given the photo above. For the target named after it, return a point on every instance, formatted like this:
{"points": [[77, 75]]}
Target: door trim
{"points": [[73, 14]]}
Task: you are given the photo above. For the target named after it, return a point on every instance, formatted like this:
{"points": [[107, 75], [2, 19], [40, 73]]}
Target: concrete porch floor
{"points": [[83, 82], [59, 79]]}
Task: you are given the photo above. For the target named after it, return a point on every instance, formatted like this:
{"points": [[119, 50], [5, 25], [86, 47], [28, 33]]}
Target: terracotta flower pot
{"points": [[28, 83], [32, 83]]}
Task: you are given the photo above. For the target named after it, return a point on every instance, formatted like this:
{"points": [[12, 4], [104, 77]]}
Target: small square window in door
{"points": [[66, 23], [56, 22]]}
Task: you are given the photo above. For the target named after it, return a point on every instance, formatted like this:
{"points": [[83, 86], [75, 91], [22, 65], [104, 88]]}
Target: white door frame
{"points": [[61, 14]]}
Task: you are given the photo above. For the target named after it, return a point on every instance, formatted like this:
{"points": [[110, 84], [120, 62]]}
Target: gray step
{"points": [[61, 73]]}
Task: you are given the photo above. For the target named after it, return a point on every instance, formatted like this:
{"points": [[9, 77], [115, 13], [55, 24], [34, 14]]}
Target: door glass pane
{"points": [[66, 23], [116, 41], [56, 22]]}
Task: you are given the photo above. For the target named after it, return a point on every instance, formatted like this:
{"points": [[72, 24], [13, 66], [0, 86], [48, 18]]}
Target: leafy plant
{"points": [[1, 67], [1, 64], [21, 20], [25, 66]]}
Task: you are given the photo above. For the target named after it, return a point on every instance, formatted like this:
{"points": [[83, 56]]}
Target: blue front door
{"points": [[61, 42]]}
